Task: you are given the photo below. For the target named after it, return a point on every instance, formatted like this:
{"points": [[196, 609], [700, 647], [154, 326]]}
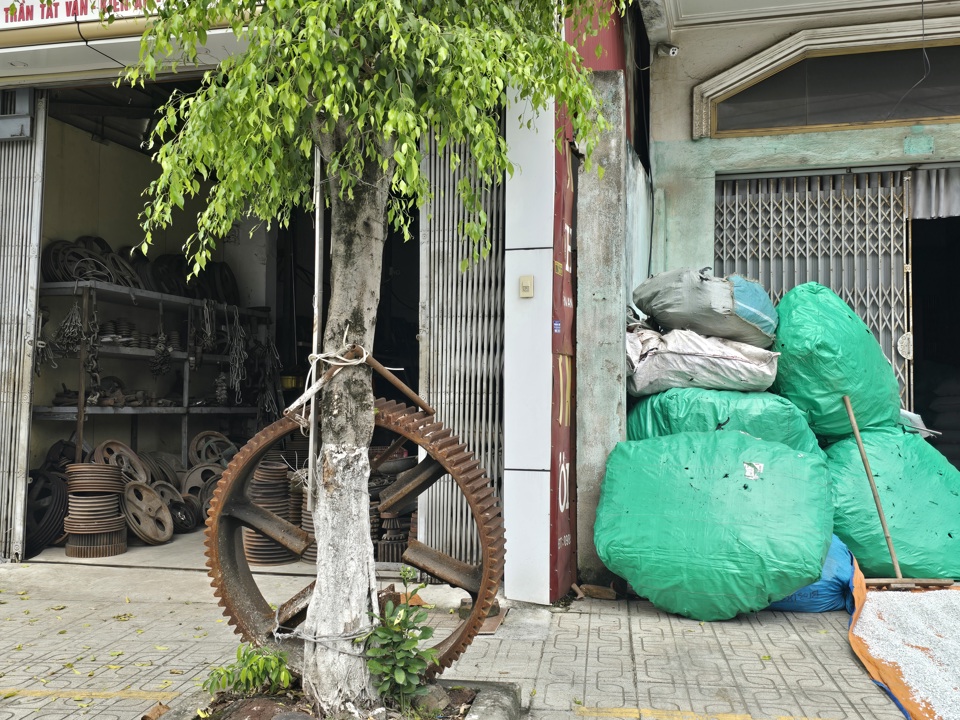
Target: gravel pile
{"points": [[920, 633]]}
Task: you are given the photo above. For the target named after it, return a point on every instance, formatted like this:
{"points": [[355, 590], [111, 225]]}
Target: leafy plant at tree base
{"points": [[256, 670], [393, 652]]}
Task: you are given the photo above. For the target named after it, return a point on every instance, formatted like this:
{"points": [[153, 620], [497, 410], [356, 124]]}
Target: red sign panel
{"points": [[563, 533]]}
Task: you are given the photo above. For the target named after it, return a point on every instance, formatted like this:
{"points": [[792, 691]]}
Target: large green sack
{"points": [[709, 525], [763, 415], [920, 493], [826, 352]]}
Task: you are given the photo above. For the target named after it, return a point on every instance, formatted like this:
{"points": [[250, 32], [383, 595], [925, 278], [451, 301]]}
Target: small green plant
{"points": [[393, 651], [256, 670]]}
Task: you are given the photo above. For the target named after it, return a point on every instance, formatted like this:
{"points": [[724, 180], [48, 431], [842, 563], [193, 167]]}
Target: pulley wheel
{"points": [[114, 452], [167, 492], [184, 518], [197, 477], [147, 515], [211, 447], [46, 510], [232, 509]]}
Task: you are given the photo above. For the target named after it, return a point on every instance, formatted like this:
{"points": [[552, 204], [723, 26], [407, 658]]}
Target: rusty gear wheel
{"points": [[231, 510]]}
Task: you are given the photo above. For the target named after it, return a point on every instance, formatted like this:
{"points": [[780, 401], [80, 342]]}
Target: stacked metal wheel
{"points": [[269, 490], [295, 499], [388, 530], [296, 451], [96, 528]]}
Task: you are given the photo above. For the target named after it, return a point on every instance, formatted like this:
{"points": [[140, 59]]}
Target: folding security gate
{"points": [[461, 346], [849, 232], [21, 186]]}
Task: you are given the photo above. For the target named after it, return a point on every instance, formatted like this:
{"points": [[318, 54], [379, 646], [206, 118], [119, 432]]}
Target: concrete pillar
{"points": [[601, 302]]}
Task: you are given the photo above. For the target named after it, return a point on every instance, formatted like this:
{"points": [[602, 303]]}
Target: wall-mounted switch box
{"points": [[526, 286]]}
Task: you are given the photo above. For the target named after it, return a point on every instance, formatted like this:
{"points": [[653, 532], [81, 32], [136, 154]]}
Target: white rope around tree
{"points": [[349, 354]]}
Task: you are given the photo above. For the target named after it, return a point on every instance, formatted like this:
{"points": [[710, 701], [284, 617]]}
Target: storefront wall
{"points": [[684, 171]]}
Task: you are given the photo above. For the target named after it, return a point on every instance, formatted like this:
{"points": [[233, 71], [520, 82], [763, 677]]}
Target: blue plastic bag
{"points": [[834, 589], [753, 304]]}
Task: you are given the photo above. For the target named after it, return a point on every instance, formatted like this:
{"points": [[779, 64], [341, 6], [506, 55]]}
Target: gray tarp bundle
{"points": [[731, 308]]}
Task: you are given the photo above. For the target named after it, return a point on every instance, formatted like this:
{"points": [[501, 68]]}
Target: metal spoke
{"points": [[267, 523], [401, 496]]}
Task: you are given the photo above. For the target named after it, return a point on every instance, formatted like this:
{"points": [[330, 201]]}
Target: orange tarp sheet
{"points": [[886, 675]]}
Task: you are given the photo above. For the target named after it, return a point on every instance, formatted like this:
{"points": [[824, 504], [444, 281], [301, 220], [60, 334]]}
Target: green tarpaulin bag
{"points": [[920, 493], [826, 352], [763, 415], [709, 525]]}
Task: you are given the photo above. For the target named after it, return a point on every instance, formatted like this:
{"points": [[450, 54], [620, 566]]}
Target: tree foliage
{"points": [[394, 72]]}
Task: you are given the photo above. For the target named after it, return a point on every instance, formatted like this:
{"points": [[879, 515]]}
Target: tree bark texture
{"points": [[335, 672]]}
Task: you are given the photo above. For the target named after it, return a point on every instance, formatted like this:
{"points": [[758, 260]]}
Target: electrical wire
{"points": [[927, 67]]}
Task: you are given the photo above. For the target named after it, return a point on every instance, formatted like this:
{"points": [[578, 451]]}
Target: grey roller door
{"points": [[21, 184]]}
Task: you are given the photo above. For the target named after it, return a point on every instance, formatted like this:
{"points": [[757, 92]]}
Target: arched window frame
{"points": [[817, 42]]}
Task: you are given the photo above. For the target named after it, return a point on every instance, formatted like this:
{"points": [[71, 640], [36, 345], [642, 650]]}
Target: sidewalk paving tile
{"points": [[112, 654]]}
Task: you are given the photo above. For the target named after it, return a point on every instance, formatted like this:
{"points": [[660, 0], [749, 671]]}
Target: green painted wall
{"points": [[686, 171]]}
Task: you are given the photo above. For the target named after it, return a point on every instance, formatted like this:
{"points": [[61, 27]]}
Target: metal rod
{"points": [[317, 315], [385, 455], [873, 487], [81, 399], [396, 382]]}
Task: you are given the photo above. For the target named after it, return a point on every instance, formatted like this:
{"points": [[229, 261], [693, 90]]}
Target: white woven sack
{"points": [[682, 358]]}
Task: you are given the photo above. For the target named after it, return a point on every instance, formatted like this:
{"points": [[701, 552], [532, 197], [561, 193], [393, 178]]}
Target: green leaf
{"points": [[399, 675]]}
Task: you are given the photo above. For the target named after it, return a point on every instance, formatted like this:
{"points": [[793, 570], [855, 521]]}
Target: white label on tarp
{"points": [[752, 471]]}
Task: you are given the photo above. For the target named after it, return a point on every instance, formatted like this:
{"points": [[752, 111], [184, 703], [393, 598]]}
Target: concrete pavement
{"points": [[108, 642]]}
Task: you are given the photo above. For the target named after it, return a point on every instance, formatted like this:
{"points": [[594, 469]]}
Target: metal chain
{"points": [[238, 354], [92, 341], [69, 334], [267, 368], [221, 388], [43, 352], [209, 326], [160, 362]]}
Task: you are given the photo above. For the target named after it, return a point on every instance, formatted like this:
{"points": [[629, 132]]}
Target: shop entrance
{"points": [[936, 347], [96, 168]]}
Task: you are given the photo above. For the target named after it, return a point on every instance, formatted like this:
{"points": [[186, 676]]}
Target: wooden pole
{"points": [[873, 487]]}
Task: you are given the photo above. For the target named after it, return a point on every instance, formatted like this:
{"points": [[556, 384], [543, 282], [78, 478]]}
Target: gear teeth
{"points": [[439, 442]]}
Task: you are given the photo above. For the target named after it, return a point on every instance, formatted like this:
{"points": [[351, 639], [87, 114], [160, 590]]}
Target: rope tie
{"points": [[281, 633], [349, 354]]}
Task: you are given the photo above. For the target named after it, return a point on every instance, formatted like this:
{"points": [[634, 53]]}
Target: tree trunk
{"points": [[335, 672]]}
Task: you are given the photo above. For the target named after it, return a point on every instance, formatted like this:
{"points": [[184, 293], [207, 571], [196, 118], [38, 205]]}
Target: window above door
{"points": [[838, 79]]}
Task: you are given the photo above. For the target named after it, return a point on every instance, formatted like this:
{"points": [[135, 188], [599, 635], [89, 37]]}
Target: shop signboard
{"points": [[34, 13], [563, 539]]}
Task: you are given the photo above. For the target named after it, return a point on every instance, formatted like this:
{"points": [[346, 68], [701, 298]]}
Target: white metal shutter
{"points": [[849, 232], [461, 346], [21, 189]]}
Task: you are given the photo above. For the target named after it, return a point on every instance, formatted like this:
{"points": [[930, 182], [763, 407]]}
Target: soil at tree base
{"points": [[233, 707]]}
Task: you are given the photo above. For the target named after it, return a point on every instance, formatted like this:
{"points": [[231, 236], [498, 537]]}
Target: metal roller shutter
{"points": [[21, 186], [849, 232], [461, 346]]}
